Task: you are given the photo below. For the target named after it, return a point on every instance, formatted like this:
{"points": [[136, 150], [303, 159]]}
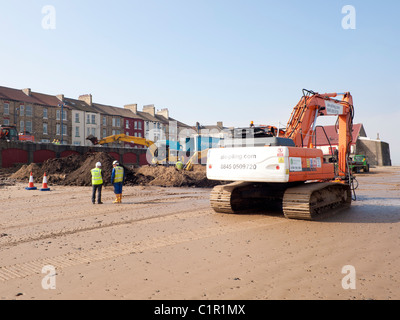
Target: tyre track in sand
{"points": [[60, 262], [13, 241], [82, 212]]}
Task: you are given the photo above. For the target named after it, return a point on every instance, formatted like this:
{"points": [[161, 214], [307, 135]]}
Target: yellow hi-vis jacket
{"points": [[119, 174], [97, 178]]}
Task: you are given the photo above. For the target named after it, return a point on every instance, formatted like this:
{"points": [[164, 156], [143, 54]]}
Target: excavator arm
{"points": [[301, 126], [123, 137]]}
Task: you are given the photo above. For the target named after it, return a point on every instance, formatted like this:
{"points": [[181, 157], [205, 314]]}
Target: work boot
{"points": [[120, 198], [116, 199]]}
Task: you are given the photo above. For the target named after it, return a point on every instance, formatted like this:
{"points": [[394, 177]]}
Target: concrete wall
{"points": [[12, 153], [377, 152]]}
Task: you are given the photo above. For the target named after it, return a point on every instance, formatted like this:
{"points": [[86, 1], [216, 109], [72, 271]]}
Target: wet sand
{"points": [[166, 243]]}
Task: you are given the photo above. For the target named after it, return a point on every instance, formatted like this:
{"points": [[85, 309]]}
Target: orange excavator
{"points": [[288, 172]]}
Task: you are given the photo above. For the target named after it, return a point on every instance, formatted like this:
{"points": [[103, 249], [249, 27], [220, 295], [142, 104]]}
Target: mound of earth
{"points": [[75, 171], [170, 177]]}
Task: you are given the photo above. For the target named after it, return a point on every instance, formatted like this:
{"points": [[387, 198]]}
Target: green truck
{"points": [[358, 163]]}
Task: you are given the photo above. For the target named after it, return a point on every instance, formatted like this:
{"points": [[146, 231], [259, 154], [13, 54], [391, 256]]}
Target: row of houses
{"points": [[70, 121]]}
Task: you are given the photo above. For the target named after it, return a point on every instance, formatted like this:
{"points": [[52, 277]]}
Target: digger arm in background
{"points": [[123, 137], [312, 105], [195, 159]]}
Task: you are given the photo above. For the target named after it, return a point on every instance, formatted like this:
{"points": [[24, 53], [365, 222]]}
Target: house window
{"points": [[93, 131], [93, 119], [135, 125], [58, 112], [21, 110], [139, 125], [58, 129], [6, 109], [118, 122], [127, 124], [6, 122], [104, 121], [29, 111], [21, 126], [44, 128], [28, 125], [113, 122], [104, 133], [77, 132], [64, 129], [44, 113], [77, 119], [64, 115]]}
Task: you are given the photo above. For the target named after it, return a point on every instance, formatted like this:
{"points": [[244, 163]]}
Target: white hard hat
{"points": [[115, 162], [98, 164]]}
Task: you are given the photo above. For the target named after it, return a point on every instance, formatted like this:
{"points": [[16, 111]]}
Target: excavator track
{"points": [[223, 201], [313, 201], [309, 201], [244, 197]]}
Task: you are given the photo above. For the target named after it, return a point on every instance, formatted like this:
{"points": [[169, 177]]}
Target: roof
{"points": [[116, 111], [78, 105], [46, 99], [17, 95], [358, 130]]}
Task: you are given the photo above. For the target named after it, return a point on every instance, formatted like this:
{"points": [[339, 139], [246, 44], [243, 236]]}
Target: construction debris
{"points": [[75, 171]]}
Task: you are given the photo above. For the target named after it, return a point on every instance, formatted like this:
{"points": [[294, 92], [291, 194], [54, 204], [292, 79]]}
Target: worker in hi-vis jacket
{"points": [[117, 179], [97, 183]]}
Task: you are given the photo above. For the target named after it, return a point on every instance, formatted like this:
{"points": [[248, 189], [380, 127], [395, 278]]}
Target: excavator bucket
{"points": [[93, 139]]}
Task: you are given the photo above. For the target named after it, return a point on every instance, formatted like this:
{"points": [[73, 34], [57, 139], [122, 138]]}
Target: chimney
{"points": [[132, 107], [60, 97], [220, 124], [27, 91], [86, 98], [150, 109], [164, 113]]}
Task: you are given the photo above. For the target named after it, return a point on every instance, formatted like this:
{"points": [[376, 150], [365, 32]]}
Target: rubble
{"points": [[75, 171]]}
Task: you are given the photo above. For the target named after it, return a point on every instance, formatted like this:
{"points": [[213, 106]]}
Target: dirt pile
{"points": [[75, 171], [71, 171], [170, 177]]}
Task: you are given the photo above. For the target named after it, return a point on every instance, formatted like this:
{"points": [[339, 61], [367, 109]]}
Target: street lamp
{"points": [[15, 115], [62, 126]]}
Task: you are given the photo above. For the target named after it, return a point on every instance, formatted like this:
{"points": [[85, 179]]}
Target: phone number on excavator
{"points": [[244, 166]]}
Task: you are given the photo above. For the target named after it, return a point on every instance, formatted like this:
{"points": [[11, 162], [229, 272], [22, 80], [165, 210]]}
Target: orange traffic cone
{"points": [[31, 186], [44, 186]]}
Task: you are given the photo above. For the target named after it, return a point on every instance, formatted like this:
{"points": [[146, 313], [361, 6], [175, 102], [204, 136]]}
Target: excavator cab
{"points": [[8, 133]]}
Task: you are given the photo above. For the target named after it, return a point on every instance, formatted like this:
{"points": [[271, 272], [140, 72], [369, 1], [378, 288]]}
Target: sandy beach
{"points": [[167, 243]]}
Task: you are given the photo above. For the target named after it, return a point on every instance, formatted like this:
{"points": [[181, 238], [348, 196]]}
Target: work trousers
{"points": [[118, 187], [96, 188]]}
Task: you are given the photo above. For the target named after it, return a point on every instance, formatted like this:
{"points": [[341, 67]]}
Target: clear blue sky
{"points": [[210, 60]]}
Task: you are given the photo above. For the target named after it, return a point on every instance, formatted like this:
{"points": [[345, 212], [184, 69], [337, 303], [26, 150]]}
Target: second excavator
{"points": [[288, 172]]}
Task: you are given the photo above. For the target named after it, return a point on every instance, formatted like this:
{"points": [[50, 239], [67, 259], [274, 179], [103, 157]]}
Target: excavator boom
{"points": [[289, 172]]}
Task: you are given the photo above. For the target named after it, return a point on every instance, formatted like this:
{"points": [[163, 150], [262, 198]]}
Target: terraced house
{"points": [[39, 114], [70, 121]]}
